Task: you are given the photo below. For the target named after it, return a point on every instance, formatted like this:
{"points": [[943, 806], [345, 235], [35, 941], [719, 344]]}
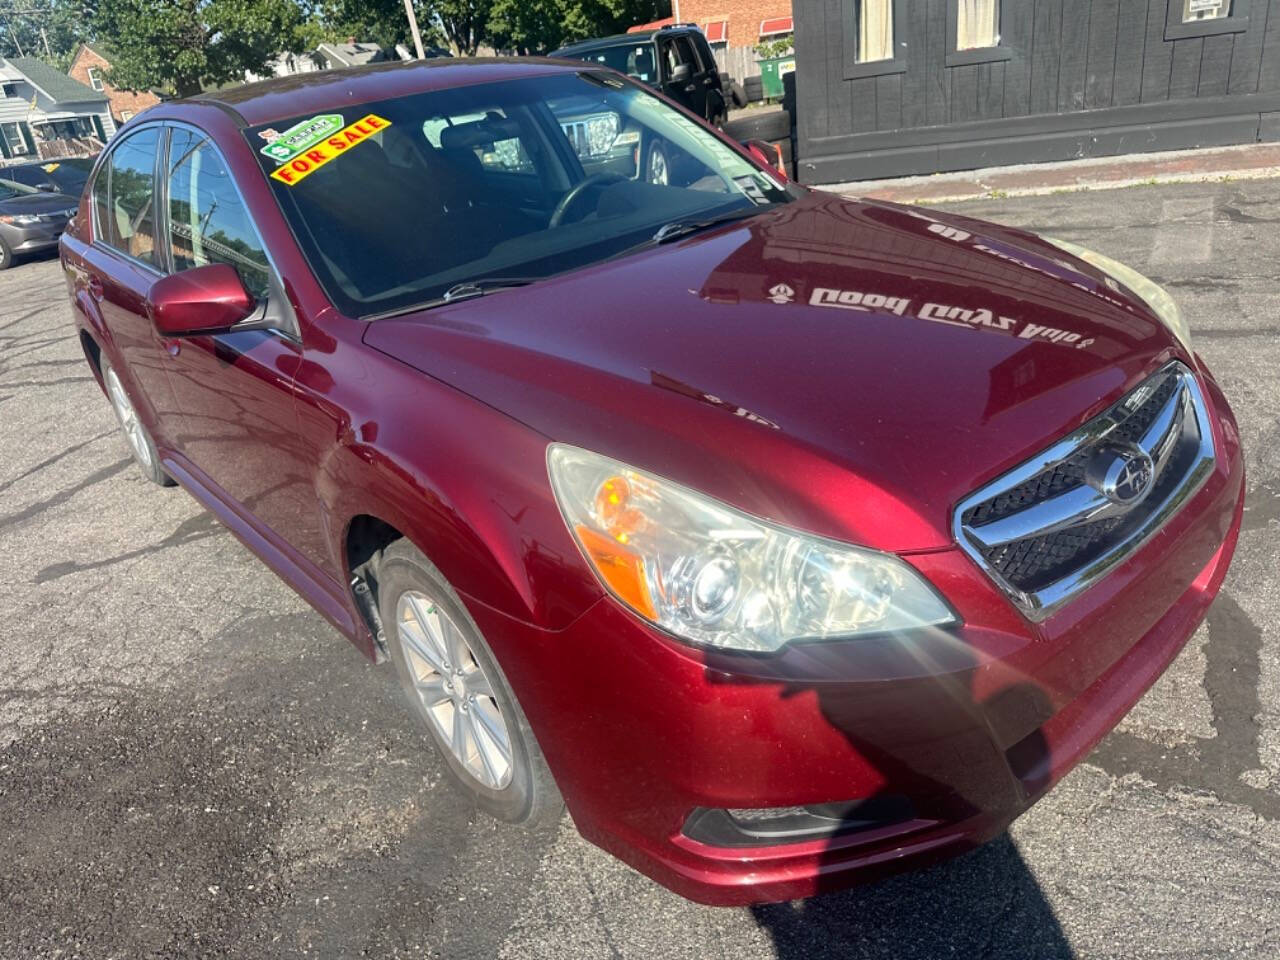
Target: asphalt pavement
{"points": [[192, 763]]}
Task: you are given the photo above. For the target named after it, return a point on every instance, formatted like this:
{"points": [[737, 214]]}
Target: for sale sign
{"points": [[285, 146]]}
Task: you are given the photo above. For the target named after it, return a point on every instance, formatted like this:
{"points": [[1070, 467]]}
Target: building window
{"points": [[14, 139], [978, 24], [1193, 11], [95, 81], [973, 33], [1206, 18], [870, 38], [873, 30]]}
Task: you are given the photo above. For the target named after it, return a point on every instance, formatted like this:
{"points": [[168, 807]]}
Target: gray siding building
{"points": [[897, 87]]}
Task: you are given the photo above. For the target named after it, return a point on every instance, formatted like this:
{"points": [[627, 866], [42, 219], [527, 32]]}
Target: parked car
{"points": [[676, 60], [30, 220], [789, 538], [67, 176]]}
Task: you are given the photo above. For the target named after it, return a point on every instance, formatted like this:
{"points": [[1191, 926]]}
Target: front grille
{"points": [[1051, 527]]}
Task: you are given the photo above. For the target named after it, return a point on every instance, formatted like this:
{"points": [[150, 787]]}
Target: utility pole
{"points": [[45, 37], [16, 42], [413, 27]]}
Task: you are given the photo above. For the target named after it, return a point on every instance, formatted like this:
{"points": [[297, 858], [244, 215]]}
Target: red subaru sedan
{"points": [[790, 539]]}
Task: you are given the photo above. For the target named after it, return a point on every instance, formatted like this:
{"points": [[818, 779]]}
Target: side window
{"points": [[125, 201], [679, 51], [207, 220]]}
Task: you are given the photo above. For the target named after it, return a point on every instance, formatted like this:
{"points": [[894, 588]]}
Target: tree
{"points": [[380, 21], [536, 26], [188, 45], [464, 23], [48, 29]]}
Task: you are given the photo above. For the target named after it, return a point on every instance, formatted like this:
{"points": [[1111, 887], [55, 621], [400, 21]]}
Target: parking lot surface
{"points": [[192, 763]]}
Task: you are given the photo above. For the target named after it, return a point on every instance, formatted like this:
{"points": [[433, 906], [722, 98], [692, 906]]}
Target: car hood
{"points": [[36, 203], [847, 367]]}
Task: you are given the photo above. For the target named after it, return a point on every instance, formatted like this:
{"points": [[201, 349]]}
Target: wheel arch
{"points": [[499, 541]]}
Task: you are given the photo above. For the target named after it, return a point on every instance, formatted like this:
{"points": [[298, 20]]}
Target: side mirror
{"points": [[205, 299], [47, 187], [768, 155], [682, 73]]}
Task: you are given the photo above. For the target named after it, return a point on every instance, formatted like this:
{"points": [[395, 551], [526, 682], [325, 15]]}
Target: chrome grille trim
{"points": [[1178, 436]]}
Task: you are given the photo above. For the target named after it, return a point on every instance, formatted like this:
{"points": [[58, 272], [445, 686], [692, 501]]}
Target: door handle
{"points": [[95, 288], [690, 88]]}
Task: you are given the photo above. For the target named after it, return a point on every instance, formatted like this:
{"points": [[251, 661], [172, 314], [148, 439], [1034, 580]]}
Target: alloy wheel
{"points": [[658, 167], [128, 417], [455, 692]]}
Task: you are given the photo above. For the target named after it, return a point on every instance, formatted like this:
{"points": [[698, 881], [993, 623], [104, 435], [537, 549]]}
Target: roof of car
{"points": [[279, 97], [620, 39]]}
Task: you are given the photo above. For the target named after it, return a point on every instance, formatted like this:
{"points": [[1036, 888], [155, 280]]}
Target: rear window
{"points": [[395, 202], [634, 59]]}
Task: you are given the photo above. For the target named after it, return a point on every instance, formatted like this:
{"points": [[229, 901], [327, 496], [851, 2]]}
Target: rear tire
{"points": [[455, 685], [135, 434], [771, 125]]}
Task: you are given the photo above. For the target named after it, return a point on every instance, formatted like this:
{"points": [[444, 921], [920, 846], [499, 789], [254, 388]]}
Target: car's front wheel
{"points": [[135, 434], [459, 692], [656, 166]]}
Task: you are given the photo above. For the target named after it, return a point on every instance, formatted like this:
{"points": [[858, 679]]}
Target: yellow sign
{"points": [[304, 164]]}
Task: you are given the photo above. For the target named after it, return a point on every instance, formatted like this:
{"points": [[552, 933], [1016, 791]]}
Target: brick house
{"points": [[89, 66], [736, 23]]}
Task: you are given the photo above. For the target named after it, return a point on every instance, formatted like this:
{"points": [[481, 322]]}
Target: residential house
{"points": [[44, 114], [89, 65], [327, 56]]}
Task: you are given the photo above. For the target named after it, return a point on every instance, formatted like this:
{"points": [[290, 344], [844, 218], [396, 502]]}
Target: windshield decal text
{"points": [[322, 152]]}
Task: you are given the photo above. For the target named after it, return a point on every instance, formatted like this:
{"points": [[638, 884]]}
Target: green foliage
{"points": [[188, 45], [777, 47], [65, 23], [536, 26], [379, 21]]}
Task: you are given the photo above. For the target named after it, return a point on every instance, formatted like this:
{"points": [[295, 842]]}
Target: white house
{"points": [[45, 114]]}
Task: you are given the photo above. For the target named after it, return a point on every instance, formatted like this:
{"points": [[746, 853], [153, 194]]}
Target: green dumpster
{"points": [[772, 71]]}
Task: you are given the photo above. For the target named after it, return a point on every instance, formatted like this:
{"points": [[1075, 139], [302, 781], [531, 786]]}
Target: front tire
{"points": [[657, 166], [6, 256], [460, 694], [135, 434]]}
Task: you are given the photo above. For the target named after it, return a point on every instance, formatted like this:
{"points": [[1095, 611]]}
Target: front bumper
{"points": [[968, 726], [29, 238]]}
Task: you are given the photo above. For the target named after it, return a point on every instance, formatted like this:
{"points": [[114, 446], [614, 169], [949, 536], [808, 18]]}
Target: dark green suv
{"points": [[676, 60]]}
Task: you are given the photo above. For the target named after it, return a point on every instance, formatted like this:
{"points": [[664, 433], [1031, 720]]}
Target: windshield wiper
{"points": [[482, 285], [683, 228]]}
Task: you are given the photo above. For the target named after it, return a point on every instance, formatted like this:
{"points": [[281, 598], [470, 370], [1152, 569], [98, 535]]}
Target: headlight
{"points": [[1154, 295], [19, 219], [711, 574]]}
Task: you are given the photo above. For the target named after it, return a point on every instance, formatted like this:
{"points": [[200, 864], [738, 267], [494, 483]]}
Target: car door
{"points": [[119, 267], [239, 435], [681, 81]]}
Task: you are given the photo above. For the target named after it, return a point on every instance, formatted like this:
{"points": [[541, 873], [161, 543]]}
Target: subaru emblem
{"points": [[1123, 473]]}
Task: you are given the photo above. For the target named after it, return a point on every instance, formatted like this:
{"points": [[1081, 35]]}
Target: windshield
{"points": [[10, 189], [634, 59], [398, 201]]}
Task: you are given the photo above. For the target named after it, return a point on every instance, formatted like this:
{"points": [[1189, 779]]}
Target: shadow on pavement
{"points": [[984, 904]]}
